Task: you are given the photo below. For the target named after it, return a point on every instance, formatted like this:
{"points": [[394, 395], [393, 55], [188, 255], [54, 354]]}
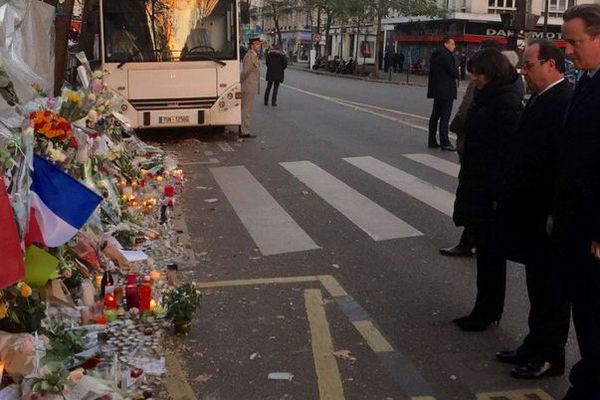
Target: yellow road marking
{"points": [[259, 281], [521, 394], [332, 286], [373, 337], [176, 381], [328, 375]]}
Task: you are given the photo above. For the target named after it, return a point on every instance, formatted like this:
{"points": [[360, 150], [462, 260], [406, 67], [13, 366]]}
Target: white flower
{"points": [[97, 74], [92, 97], [92, 116], [56, 155]]}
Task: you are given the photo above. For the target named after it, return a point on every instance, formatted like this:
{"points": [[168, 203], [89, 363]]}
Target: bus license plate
{"points": [[176, 119]]}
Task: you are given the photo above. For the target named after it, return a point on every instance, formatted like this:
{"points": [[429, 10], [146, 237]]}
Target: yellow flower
{"points": [[73, 97], [24, 289], [3, 310]]}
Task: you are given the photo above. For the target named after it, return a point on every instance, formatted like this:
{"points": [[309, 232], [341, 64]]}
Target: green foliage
{"points": [[64, 342], [7, 91], [24, 313], [53, 383], [182, 302], [128, 239]]}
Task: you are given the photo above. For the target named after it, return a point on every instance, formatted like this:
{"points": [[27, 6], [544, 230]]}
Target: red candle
{"points": [[145, 294], [110, 301], [131, 292]]}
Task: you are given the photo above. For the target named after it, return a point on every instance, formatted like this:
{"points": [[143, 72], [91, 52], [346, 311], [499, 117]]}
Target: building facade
{"points": [[295, 24], [469, 22]]}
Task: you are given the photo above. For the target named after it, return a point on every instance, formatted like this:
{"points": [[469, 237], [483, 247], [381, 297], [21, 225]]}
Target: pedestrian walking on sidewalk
{"points": [[525, 210], [250, 79], [576, 218], [276, 65], [492, 120], [442, 88]]}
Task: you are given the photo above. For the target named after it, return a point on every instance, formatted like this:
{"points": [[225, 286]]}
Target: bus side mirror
{"points": [[244, 12]]}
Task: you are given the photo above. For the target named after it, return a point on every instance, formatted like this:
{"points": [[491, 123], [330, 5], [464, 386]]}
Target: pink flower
{"points": [[96, 86], [51, 102], [27, 346]]}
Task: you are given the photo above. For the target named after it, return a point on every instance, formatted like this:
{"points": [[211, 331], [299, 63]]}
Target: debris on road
{"points": [[211, 200], [281, 376], [202, 378], [344, 355]]}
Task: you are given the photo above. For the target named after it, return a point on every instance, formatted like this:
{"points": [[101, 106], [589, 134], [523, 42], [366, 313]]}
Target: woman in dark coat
{"points": [[276, 65], [491, 121]]}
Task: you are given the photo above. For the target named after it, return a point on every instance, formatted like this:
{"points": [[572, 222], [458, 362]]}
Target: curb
{"points": [[357, 78]]}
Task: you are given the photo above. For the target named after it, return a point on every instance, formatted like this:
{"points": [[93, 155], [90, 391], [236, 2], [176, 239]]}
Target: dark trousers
{"points": [[550, 310], [585, 292], [466, 239], [491, 272], [440, 114], [275, 86]]}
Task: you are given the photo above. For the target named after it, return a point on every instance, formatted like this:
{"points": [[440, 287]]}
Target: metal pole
{"points": [[546, 19]]}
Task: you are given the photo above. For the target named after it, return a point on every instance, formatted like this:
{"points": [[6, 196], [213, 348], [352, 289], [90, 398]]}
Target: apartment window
{"points": [[557, 7], [500, 6]]}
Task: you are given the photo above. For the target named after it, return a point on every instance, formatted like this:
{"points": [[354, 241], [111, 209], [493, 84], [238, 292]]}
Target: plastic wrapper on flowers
{"points": [[26, 66]]}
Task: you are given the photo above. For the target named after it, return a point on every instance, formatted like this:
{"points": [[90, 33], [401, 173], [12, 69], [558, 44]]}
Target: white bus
{"points": [[175, 62]]}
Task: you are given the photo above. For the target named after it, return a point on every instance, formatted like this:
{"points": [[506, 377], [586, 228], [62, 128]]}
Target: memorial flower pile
{"points": [[89, 256]]}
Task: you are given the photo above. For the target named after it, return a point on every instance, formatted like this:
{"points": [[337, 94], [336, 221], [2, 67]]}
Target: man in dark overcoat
{"points": [[276, 65], [576, 225], [526, 208], [442, 88]]}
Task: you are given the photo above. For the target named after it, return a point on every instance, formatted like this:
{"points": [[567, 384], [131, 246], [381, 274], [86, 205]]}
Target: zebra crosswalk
{"points": [[275, 232]]}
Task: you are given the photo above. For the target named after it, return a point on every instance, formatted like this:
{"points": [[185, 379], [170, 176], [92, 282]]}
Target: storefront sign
{"points": [[529, 35]]}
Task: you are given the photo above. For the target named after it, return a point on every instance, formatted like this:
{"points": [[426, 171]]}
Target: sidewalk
{"points": [[384, 77]]}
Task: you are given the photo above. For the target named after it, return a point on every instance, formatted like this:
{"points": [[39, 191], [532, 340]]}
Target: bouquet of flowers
{"points": [[181, 304]]}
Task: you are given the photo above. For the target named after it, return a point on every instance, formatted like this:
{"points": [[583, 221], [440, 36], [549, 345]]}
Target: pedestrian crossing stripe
{"points": [[271, 227], [373, 219], [439, 164], [521, 394], [274, 231], [423, 191]]}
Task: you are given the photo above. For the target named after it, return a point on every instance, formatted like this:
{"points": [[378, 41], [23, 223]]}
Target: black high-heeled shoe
{"points": [[474, 323]]}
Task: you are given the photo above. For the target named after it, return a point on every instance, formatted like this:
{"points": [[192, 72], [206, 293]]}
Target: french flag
{"points": [[60, 205]]}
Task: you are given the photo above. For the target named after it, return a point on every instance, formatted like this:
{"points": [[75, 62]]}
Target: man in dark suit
{"points": [[441, 87], [276, 65], [576, 225], [526, 208]]}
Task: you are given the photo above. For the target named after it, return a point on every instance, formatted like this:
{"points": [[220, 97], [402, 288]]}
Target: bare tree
{"points": [[332, 9], [382, 8], [61, 30], [276, 9], [358, 13]]}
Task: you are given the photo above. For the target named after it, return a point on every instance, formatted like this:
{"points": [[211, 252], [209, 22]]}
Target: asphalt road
{"points": [[340, 194]]}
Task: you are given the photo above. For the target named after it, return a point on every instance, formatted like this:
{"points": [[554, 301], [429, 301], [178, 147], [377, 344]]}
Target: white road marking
{"points": [[209, 162], [429, 194], [270, 226], [368, 108], [437, 163], [377, 222], [225, 147]]}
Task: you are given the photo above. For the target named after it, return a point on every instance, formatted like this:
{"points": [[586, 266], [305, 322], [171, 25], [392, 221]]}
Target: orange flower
{"points": [[24, 289], [51, 125]]}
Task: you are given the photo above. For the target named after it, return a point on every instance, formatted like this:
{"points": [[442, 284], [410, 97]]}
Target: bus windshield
{"points": [[169, 30]]}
